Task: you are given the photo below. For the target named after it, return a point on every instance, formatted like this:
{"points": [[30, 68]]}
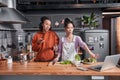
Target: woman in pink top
{"points": [[70, 43]]}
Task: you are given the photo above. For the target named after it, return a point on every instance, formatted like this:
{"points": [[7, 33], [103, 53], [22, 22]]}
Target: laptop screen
{"points": [[109, 62]]}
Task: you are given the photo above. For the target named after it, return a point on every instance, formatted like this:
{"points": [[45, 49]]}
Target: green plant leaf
{"points": [[90, 20], [65, 62], [77, 57]]}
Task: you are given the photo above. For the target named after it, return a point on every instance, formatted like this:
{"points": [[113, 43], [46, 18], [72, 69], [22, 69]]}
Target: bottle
{"points": [[29, 47], [9, 60]]}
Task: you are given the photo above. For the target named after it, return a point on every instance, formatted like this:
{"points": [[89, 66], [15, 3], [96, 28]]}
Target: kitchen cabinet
{"points": [[67, 6], [26, 5]]}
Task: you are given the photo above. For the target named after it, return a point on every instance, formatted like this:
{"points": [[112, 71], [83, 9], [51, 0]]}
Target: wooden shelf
{"points": [[68, 6]]}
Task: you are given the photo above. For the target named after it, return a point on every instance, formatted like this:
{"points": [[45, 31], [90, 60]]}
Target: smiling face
{"points": [[46, 25], [69, 28]]}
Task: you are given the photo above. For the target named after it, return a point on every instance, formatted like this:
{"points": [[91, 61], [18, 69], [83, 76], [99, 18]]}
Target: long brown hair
{"points": [[42, 21]]}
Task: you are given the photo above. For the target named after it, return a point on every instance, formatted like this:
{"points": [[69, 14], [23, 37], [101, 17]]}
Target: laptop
{"points": [[109, 62]]}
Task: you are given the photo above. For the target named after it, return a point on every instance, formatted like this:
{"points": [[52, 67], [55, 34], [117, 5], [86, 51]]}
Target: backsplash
{"points": [[9, 38]]}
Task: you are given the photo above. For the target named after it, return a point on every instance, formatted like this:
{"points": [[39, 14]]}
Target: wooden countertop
{"points": [[41, 68]]}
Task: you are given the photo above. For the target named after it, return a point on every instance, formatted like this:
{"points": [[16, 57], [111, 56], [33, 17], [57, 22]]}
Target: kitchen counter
{"points": [[42, 68]]}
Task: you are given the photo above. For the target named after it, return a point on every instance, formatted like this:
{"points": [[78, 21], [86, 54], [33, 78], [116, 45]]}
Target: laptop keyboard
{"points": [[99, 68]]}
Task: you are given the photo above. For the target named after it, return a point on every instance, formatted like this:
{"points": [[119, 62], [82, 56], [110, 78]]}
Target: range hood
{"points": [[11, 15], [2, 5]]}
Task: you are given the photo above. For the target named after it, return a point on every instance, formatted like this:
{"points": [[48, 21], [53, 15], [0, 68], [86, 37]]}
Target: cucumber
{"points": [[65, 62]]}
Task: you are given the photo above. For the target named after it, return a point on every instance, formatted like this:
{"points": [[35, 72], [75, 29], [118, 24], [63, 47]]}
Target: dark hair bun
{"points": [[67, 20]]}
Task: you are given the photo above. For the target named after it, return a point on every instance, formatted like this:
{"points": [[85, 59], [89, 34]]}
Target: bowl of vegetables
{"points": [[76, 61], [89, 60]]}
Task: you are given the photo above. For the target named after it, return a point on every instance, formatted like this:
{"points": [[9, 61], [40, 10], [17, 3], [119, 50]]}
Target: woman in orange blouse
{"points": [[44, 41]]}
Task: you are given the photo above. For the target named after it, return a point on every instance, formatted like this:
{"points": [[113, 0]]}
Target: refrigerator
{"points": [[98, 42]]}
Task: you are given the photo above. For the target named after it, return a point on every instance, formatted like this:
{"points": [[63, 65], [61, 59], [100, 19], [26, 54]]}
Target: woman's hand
{"points": [[55, 48], [94, 55], [54, 61], [40, 41]]}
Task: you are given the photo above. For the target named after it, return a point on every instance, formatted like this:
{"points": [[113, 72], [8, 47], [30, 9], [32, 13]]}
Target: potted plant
{"points": [[89, 21]]}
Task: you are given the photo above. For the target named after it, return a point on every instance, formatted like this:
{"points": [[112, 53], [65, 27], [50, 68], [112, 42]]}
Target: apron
{"points": [[69, 51]]}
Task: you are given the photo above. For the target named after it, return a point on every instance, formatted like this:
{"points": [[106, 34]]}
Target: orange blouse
{"points": [[45, 49]]}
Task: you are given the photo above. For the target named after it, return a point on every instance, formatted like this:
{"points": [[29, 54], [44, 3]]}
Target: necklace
{"points": [[69, 38]]}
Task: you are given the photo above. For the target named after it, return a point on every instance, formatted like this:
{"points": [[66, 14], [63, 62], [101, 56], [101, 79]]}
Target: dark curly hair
{"points": [[42, 21]]}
